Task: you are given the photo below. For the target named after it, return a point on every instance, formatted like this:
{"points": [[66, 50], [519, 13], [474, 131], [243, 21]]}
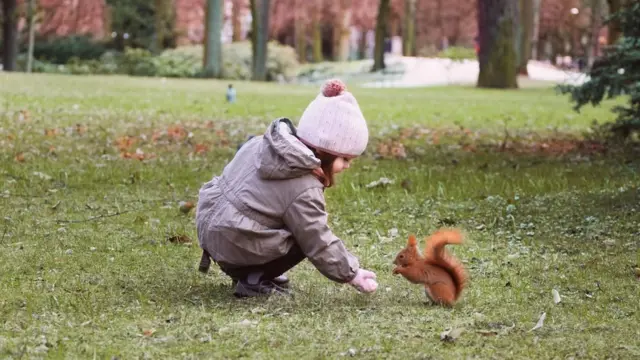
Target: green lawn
{"points": [[87, 271]]}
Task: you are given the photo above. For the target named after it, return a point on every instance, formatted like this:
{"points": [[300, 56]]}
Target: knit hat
{"points": [[333, 122]]}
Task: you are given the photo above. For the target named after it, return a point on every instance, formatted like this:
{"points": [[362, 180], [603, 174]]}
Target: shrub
{"points": [[61, 50], [616, 73], [180, 62], [236, 58], [458, 53]]}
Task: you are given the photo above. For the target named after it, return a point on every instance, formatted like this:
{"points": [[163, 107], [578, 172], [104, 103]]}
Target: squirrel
{"points": [[443, 276]]}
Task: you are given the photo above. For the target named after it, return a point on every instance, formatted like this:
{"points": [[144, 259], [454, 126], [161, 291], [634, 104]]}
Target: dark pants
{"points": [[269, 270]]}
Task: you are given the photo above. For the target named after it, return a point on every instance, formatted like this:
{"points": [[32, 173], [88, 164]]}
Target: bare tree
{"points": [[381, 31], [213, 42], [497, 27], [9, 34]]}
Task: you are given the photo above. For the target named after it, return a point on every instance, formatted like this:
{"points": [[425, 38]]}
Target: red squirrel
{"points": [[443, 276]]}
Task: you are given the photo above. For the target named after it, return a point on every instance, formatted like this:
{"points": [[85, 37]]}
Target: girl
{"points": [[266, 212]]}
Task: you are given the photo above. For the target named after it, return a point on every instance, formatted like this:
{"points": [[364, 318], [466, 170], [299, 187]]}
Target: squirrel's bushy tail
{"points": [[436, 254]]}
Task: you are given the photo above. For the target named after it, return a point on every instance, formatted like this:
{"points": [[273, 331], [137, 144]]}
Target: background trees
{"points": [[318, 30]]}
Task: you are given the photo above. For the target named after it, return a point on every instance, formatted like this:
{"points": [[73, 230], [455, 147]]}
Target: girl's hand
{"points": [[365, 281]]}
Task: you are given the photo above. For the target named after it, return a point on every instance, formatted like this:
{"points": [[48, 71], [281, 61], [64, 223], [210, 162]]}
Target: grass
{"points": [[77, 282]]}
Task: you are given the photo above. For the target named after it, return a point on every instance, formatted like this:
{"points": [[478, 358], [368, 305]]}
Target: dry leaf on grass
{"points": [[487, 332], [383, 181], [201, 148], [186, 206], [180, 239], [451, 335], [540, 322]]}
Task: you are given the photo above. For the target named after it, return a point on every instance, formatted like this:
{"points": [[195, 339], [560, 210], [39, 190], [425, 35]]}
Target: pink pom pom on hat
{"points": [[334, 123], [333, 88]]}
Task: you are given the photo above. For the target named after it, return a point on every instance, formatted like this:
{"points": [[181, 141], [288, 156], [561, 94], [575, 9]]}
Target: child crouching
{"points": [[266, 212]]}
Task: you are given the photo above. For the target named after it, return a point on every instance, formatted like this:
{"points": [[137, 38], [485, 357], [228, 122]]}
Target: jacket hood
{"points": [[281, 155]]}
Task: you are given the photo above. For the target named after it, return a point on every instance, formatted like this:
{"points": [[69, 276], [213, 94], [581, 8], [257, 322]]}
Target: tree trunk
{"points": [[497, 26], [236, 20], [254, 31], [362, 44], [159, 25], [9, 35], [300, 34], [536, 30], [526, 26], [409, 28], [614, 26], [345, 31], [31, 17], [317, 33], [213, 41], [596, 24], [381, 26], [260, 9]]}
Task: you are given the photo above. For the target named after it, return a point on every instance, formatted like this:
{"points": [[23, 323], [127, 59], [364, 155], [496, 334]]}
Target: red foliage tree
{"points": [[70, 17]]}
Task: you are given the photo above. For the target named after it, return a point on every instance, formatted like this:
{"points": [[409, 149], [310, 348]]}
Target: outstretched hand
{"points": [[365, 281]]}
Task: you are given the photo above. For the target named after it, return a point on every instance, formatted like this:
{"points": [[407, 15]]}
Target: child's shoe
{"points": [[281, 281], [253, 286], [264, 288]]}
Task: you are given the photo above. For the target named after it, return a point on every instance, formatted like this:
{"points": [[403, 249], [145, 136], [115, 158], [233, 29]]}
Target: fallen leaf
{"points": [[540, 322], [81, 129], [451, 335], [398, 151], [556, 296], [350, 352], [186, 206], [124, 142], [247, 322], [201, 148], [180, 239], [487, 332], [383, 181], [42, 176], [24, 115]]}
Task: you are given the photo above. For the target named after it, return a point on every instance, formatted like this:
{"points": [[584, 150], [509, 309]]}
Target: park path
{"points": [[434, 71]]}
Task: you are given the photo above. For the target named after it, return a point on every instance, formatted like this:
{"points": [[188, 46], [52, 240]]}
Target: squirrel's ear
{"points": [[412, 240]]}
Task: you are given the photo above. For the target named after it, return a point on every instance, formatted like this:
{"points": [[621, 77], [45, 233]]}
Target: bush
{"points": [[180, 62], [616, 73], [458, 53], [137, 62], [236, 58], [61, 50]]}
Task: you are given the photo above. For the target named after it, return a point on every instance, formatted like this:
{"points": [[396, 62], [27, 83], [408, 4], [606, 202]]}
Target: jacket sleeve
{"points": [[306, 218]]}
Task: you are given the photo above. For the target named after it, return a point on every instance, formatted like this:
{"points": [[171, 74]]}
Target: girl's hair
{"points": [[326, 164], [326, 160]]}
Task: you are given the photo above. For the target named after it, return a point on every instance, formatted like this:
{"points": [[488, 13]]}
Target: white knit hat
{"points": [[334, 123]]}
